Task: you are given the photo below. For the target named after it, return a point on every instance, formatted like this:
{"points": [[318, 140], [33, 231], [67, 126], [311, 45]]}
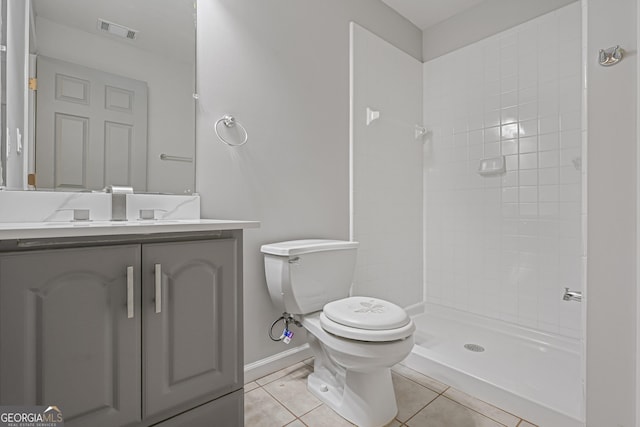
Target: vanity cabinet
{"points": [[124, 334], [65, 336], [191, 335]]}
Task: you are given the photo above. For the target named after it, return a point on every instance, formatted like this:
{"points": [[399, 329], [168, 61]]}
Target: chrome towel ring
{"points": [[230, 122]]}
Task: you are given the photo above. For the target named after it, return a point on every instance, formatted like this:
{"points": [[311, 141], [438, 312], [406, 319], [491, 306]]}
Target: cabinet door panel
{"points": [[227, 411], [66, 339], [191, 347]]}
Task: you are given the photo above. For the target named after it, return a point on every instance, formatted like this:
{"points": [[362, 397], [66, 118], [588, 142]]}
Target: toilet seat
{"points": [[366, 319], [357, 334], [366, 313]]}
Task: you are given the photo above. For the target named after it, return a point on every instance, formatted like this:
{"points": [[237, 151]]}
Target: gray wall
{"points": [[486, 19], [282, 68], [612, 194]]}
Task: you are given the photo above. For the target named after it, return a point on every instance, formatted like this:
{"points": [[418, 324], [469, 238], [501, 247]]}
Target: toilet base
{"points": [[366, 399]]}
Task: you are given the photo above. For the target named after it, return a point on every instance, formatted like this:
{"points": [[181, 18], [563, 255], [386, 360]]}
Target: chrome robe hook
{"points": [[611, 56]]}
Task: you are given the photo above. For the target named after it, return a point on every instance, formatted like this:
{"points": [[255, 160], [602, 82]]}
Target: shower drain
{"points": [[474, 347]]}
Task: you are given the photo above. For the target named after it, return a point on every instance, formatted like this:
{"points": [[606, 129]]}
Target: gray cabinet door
{"points": [[192, 346], [226, 411], [65, 336]]}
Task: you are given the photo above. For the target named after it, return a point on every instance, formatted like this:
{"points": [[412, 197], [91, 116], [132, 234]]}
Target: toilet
{"points": [[355, 340]]}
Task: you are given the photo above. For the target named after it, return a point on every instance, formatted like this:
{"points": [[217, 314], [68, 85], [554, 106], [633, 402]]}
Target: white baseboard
{"points": [[268, 365]]}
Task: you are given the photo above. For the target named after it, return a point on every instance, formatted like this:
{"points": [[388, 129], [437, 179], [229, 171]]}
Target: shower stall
{"points": [[477, 226]]}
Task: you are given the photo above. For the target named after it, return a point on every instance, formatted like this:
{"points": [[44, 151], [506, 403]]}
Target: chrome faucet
{"points": [[572, 295], [119, 201]]}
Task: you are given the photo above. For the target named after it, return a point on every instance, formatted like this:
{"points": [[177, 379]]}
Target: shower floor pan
{"points": [[534, 375]]}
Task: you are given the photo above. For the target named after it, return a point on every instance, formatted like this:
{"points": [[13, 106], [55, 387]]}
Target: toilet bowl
{"points": [[354, 377], [355, 340]]}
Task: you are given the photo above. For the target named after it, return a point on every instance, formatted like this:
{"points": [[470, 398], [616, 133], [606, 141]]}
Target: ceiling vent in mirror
{"points": [[117, 29]]}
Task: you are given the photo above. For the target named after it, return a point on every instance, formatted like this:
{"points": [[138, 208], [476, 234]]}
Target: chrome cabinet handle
{"points": [[130, 292], [158, 277]]}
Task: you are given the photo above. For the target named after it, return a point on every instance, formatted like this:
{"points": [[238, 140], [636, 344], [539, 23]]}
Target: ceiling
{"points": [[165, 27], [425, 13]]}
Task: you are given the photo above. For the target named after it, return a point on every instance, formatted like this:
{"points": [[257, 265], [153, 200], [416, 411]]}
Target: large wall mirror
{"points": [[114, 103]]}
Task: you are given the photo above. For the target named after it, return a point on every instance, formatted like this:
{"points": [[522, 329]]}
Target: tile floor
{"points": [[282, 399]]}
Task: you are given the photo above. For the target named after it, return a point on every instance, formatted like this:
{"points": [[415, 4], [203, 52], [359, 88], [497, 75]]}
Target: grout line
{"points": [[300, 419], [479, 413], [486, 403], [422, 385], [420, 410], [280, 403], [280, 370], [311, 410], [285, 406], [438, 395], [430, 402]]}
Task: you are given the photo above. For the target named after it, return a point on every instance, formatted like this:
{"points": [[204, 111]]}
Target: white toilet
{"points": [[355, 340]]}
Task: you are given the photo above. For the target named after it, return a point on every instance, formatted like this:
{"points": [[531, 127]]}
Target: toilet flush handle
{"points": [[294, 260]]}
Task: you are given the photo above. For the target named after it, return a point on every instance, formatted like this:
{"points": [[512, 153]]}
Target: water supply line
{"points": [[286, 333]]}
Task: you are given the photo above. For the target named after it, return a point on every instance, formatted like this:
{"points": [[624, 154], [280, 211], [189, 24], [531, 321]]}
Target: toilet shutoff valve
{"points": [[287, 335]]}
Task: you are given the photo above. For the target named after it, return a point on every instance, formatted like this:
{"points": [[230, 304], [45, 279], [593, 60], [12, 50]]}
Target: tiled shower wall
{"points": [[505, 246]]}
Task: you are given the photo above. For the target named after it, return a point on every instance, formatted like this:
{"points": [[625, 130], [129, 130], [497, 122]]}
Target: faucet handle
{"points": [[81, 214], [147, 214], [150, 213]]}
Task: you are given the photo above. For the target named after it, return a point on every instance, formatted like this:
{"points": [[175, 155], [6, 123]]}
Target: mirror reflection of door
{"points": [[91, 128]]}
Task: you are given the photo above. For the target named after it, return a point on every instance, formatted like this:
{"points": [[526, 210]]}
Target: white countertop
{"points": [[47, 230]]}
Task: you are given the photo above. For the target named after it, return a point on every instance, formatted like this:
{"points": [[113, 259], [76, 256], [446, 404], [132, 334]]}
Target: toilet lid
{"points": [[366, 313], [369, 335]]}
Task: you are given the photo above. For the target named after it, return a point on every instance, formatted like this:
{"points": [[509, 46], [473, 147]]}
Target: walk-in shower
{"points": [[498, 227]]}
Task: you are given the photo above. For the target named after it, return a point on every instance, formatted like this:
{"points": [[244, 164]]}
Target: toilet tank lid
{"points": [[299, 247]]}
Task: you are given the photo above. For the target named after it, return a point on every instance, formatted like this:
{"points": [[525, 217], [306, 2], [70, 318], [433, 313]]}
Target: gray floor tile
{"points": [[444, 412], [411, 397], [250, 386], [279, 374], [484, 408], [262, 410], [416, 376], [291, 391], [284, 396], [323, 416]]}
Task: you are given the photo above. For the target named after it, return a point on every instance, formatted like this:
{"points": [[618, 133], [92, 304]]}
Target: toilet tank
{"points": [[304, 275]]}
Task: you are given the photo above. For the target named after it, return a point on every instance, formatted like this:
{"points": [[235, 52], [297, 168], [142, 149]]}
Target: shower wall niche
{"points": [[506, 246]]}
